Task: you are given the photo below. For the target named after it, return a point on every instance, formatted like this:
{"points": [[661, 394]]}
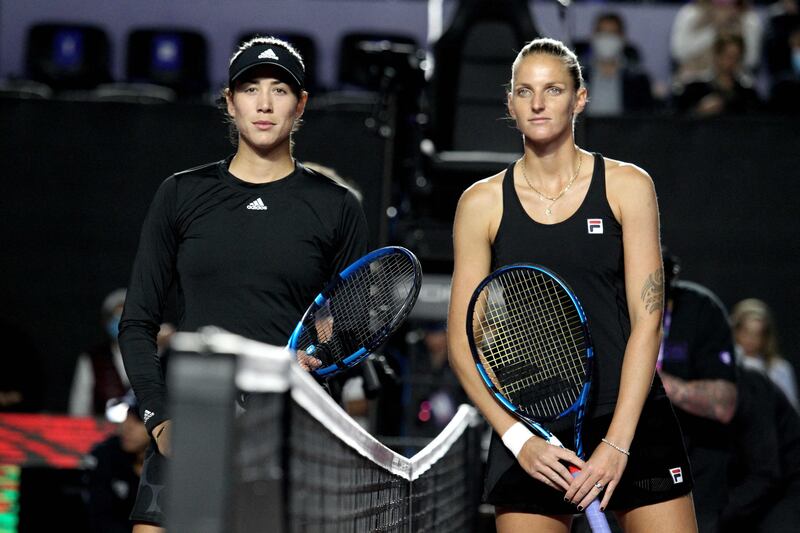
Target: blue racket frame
{"points": [[377, 338], [579, 406]]}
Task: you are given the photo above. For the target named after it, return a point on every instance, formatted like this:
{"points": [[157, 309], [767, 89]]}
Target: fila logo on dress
{"points": [[595, 225], [268, 54], [677, 475], [257, 205]]}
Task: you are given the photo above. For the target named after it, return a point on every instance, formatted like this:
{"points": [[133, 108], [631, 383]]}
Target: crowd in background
{"points": [[718, 48]]}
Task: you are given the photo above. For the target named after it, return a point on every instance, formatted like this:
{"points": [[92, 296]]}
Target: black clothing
{"points": [[248, 258], [111, 484], [765, 477], [741, 99], [152, 492], [657, 470], [698, 345], [637, 93], [586, 251]]}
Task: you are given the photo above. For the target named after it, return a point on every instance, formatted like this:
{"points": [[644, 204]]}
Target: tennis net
{"points": [[294, 461]]}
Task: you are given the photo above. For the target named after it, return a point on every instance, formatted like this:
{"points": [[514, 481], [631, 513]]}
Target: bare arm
{"points": [[710, 398], [476, 218], [633, 199]]}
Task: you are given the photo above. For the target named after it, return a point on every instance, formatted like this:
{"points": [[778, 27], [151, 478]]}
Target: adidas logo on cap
{"points": [[268, 54]]}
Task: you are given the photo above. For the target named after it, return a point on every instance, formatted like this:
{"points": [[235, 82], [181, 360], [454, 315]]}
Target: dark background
{"points": [[78, 178]]}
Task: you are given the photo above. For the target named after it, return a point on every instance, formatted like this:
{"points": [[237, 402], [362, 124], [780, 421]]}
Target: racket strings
{"points": [[360, 309], [532, 341]]}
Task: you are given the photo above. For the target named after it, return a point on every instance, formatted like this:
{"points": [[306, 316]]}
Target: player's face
{"points": [[750, 336], [265, 109], [543, 100]]}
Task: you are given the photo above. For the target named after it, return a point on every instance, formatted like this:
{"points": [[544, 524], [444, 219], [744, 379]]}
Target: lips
{"points": [[263, 124]]}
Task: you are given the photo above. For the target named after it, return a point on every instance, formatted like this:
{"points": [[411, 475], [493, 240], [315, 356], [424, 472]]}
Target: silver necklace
{"points": [[555, 198]]}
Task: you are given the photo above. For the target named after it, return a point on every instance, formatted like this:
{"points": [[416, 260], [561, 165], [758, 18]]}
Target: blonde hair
{"points": [[555, 48], [753, 308]]}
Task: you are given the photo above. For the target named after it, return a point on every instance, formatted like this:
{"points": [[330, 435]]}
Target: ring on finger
{"points": [[598, 486]]}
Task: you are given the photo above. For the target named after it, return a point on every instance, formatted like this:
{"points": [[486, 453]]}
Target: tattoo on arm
{"points": [[713, 399], [653, 291]]}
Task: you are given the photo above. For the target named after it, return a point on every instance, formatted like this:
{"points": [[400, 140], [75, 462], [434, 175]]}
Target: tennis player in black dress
{"points": [[248, 241], [594, 221]]}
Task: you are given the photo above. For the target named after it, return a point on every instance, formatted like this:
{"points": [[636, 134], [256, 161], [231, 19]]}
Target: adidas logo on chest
{"points": [[257, 205]]}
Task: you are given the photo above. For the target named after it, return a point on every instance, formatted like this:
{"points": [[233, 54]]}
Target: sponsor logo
{"points": [[257, 205], [147, 415], [268, 54], [677, 475], [595, 225]]}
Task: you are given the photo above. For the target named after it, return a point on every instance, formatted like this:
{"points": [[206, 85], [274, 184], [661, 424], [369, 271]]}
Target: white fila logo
{"points": [[258, 205], [595, 225], [147, 415], [268, 54], [677, 475]]}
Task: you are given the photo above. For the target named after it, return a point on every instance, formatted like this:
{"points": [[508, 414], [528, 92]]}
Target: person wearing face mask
{"points": [[99, 373], [613, 75]]}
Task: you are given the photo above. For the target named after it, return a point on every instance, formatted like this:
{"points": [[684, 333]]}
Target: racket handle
{"points": [[596, 518]]}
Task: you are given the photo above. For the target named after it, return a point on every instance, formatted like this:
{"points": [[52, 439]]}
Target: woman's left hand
{"points": [[604, 467]]}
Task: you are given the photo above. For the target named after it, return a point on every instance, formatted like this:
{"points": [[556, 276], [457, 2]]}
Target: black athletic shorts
{"points": [[657, 470], [149, 506]]}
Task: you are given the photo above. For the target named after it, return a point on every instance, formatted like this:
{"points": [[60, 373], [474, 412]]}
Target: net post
{"points": [[202, 398]]}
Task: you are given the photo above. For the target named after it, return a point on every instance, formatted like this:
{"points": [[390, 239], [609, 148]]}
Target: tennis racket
{"points": [[530, 340], [359, 309]]}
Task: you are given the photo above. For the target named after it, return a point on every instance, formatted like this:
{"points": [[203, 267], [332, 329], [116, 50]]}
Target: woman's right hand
{"points": [[307, 362], [548, 463]]}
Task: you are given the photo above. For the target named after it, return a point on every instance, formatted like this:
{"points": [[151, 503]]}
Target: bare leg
{"points": [[507, 521], [672, 516]]}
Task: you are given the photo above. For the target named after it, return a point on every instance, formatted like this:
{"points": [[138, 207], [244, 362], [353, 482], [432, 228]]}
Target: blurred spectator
{"points": [[113, 468], [612, 70], [727, 91], [99, 372], [786, 83], [21, 381], [697, 26], [783, 20], [757, 345], [699, 375], [765, 477], [436, 392]]}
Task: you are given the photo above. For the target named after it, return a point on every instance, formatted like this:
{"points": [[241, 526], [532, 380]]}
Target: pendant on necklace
{"points": [[548, 212]]}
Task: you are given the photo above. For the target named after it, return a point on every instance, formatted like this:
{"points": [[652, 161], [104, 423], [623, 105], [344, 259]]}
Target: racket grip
{"points": [[596, 518]]}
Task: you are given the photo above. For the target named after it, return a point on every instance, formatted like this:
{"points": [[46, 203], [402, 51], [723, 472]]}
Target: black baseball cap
{"points": [[267, 53]]}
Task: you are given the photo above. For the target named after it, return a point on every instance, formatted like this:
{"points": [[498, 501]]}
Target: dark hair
{"points": [[553, 48], [611, 16], [722, 41], [222, 101]]}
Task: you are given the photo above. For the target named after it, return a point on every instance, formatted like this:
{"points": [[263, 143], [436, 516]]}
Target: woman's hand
{"points": [[307, 362], [604, 467], [162, 434], [547, 463]]}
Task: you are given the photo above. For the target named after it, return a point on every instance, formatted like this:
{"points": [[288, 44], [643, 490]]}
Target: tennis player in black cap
{"points": [[249, 241]]}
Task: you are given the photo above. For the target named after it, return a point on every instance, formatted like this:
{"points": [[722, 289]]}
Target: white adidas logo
{"points": [[147, 415], [268, 54], [258, 205]]}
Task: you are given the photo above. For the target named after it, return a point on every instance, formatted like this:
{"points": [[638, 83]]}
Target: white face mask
{"points": [[606, 46]]}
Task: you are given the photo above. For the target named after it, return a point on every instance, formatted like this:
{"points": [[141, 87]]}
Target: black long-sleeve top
{"points": [[248, 258]]}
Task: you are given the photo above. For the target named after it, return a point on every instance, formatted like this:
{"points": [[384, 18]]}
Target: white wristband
{"points": [[515, 437]]}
